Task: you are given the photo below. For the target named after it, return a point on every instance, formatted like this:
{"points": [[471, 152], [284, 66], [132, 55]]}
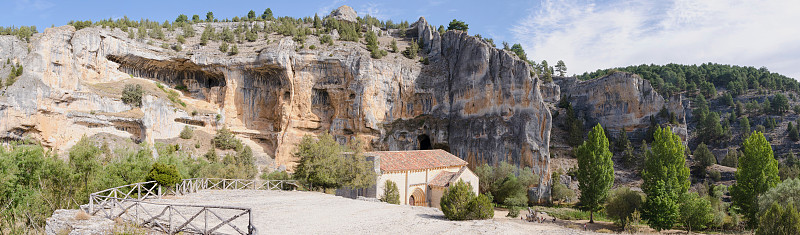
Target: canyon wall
{"points": [[476, 101]]}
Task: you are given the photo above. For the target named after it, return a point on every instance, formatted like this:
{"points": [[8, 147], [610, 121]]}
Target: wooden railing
{"points": [[128, 203]]}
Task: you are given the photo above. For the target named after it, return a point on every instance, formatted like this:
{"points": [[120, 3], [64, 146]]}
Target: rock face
{"points": [[345, 13], [476, 101], [69, 222], [621, 101]]}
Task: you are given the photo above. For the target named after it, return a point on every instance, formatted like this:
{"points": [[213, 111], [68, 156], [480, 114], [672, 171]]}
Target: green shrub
{"points": [[481, 207], [211, 155], [390, 193], [320, 162], [234, 50], [777, 220], [560, 192], [412, 50], [276, 175], [187, 133], [695, 212], [224, 139], [166, 175], [223, 47], [460, 203], [784, 194], [132, 95], [621, 204]]}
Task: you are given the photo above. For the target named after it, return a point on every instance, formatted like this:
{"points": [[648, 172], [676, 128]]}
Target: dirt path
{"points": [[295, 212]]}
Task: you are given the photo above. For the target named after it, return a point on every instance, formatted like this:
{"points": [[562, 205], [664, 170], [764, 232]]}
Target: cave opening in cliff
{"points": [[179, 73], [424, 142]]}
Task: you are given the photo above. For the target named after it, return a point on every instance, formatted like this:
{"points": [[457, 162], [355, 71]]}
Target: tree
{"points": [[83, 159], [251, 15], [393, 45], [695, 212], [665, 177], [267, 15], [412, 50], [517, 49], [321, 163], [621, 204], [182, 18], [458, 25], [779, 221], [234, 50], [132, 95], [744, 125], [317, 22], [166, 175], [210, 16], [779, 104], [390, 193], [595, 171], [793, 133], [703, 156], [545, 71], [757, 173], [561, 68], [441, 29], [728, 99]]}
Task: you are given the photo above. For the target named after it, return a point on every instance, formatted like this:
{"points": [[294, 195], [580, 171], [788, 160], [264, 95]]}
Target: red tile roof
{"points": [[416, 160], [443, 179]]}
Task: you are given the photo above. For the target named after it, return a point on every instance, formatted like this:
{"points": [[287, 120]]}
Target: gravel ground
{"points": [[296, 212]]}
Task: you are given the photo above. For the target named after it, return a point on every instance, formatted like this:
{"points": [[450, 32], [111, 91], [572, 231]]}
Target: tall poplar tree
{"points": [[595, 170], [666, 178], [757, 173]]}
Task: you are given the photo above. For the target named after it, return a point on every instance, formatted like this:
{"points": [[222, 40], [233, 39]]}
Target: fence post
{"points": [[91, 203]]}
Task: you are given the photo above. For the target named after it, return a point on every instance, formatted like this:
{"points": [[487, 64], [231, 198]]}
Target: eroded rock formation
{"points": [[478, 102]]}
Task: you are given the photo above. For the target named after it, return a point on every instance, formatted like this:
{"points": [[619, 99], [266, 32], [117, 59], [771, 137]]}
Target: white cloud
{"points": [[590, 36]]}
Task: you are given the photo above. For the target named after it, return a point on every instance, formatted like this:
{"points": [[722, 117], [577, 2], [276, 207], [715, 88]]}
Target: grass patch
{"points": [[172, 95], [568, 213]]}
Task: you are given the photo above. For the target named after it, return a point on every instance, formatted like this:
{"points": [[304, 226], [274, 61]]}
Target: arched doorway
{"points": [[424, 142], [417, 198]]}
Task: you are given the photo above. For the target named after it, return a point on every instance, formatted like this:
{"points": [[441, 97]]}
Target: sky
{"points": [[586, 34]]}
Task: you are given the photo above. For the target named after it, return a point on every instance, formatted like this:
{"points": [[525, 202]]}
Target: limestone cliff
{"points": [[621, 101], [478, 102]]}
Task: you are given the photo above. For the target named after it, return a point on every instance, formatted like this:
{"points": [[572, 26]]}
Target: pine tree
{"points": [[666, 178], [561, 68], [757, 172], [595, 171], [209, 16]]}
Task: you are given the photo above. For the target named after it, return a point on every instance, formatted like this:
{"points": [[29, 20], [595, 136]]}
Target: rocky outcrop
{"points": [[77, 222], [621, 101], [476, 101], [345, 13]]}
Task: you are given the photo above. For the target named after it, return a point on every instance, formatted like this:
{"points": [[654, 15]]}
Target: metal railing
{"points": [[128, 203]]}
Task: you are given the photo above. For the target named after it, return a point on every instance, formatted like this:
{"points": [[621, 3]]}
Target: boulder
{"points": [[345, 13]]}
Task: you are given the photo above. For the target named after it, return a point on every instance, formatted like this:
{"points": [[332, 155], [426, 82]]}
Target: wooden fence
{"points": [[128, 203]]}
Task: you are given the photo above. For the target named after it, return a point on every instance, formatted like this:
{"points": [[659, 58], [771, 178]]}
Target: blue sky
{"points": [[586, 34]]}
